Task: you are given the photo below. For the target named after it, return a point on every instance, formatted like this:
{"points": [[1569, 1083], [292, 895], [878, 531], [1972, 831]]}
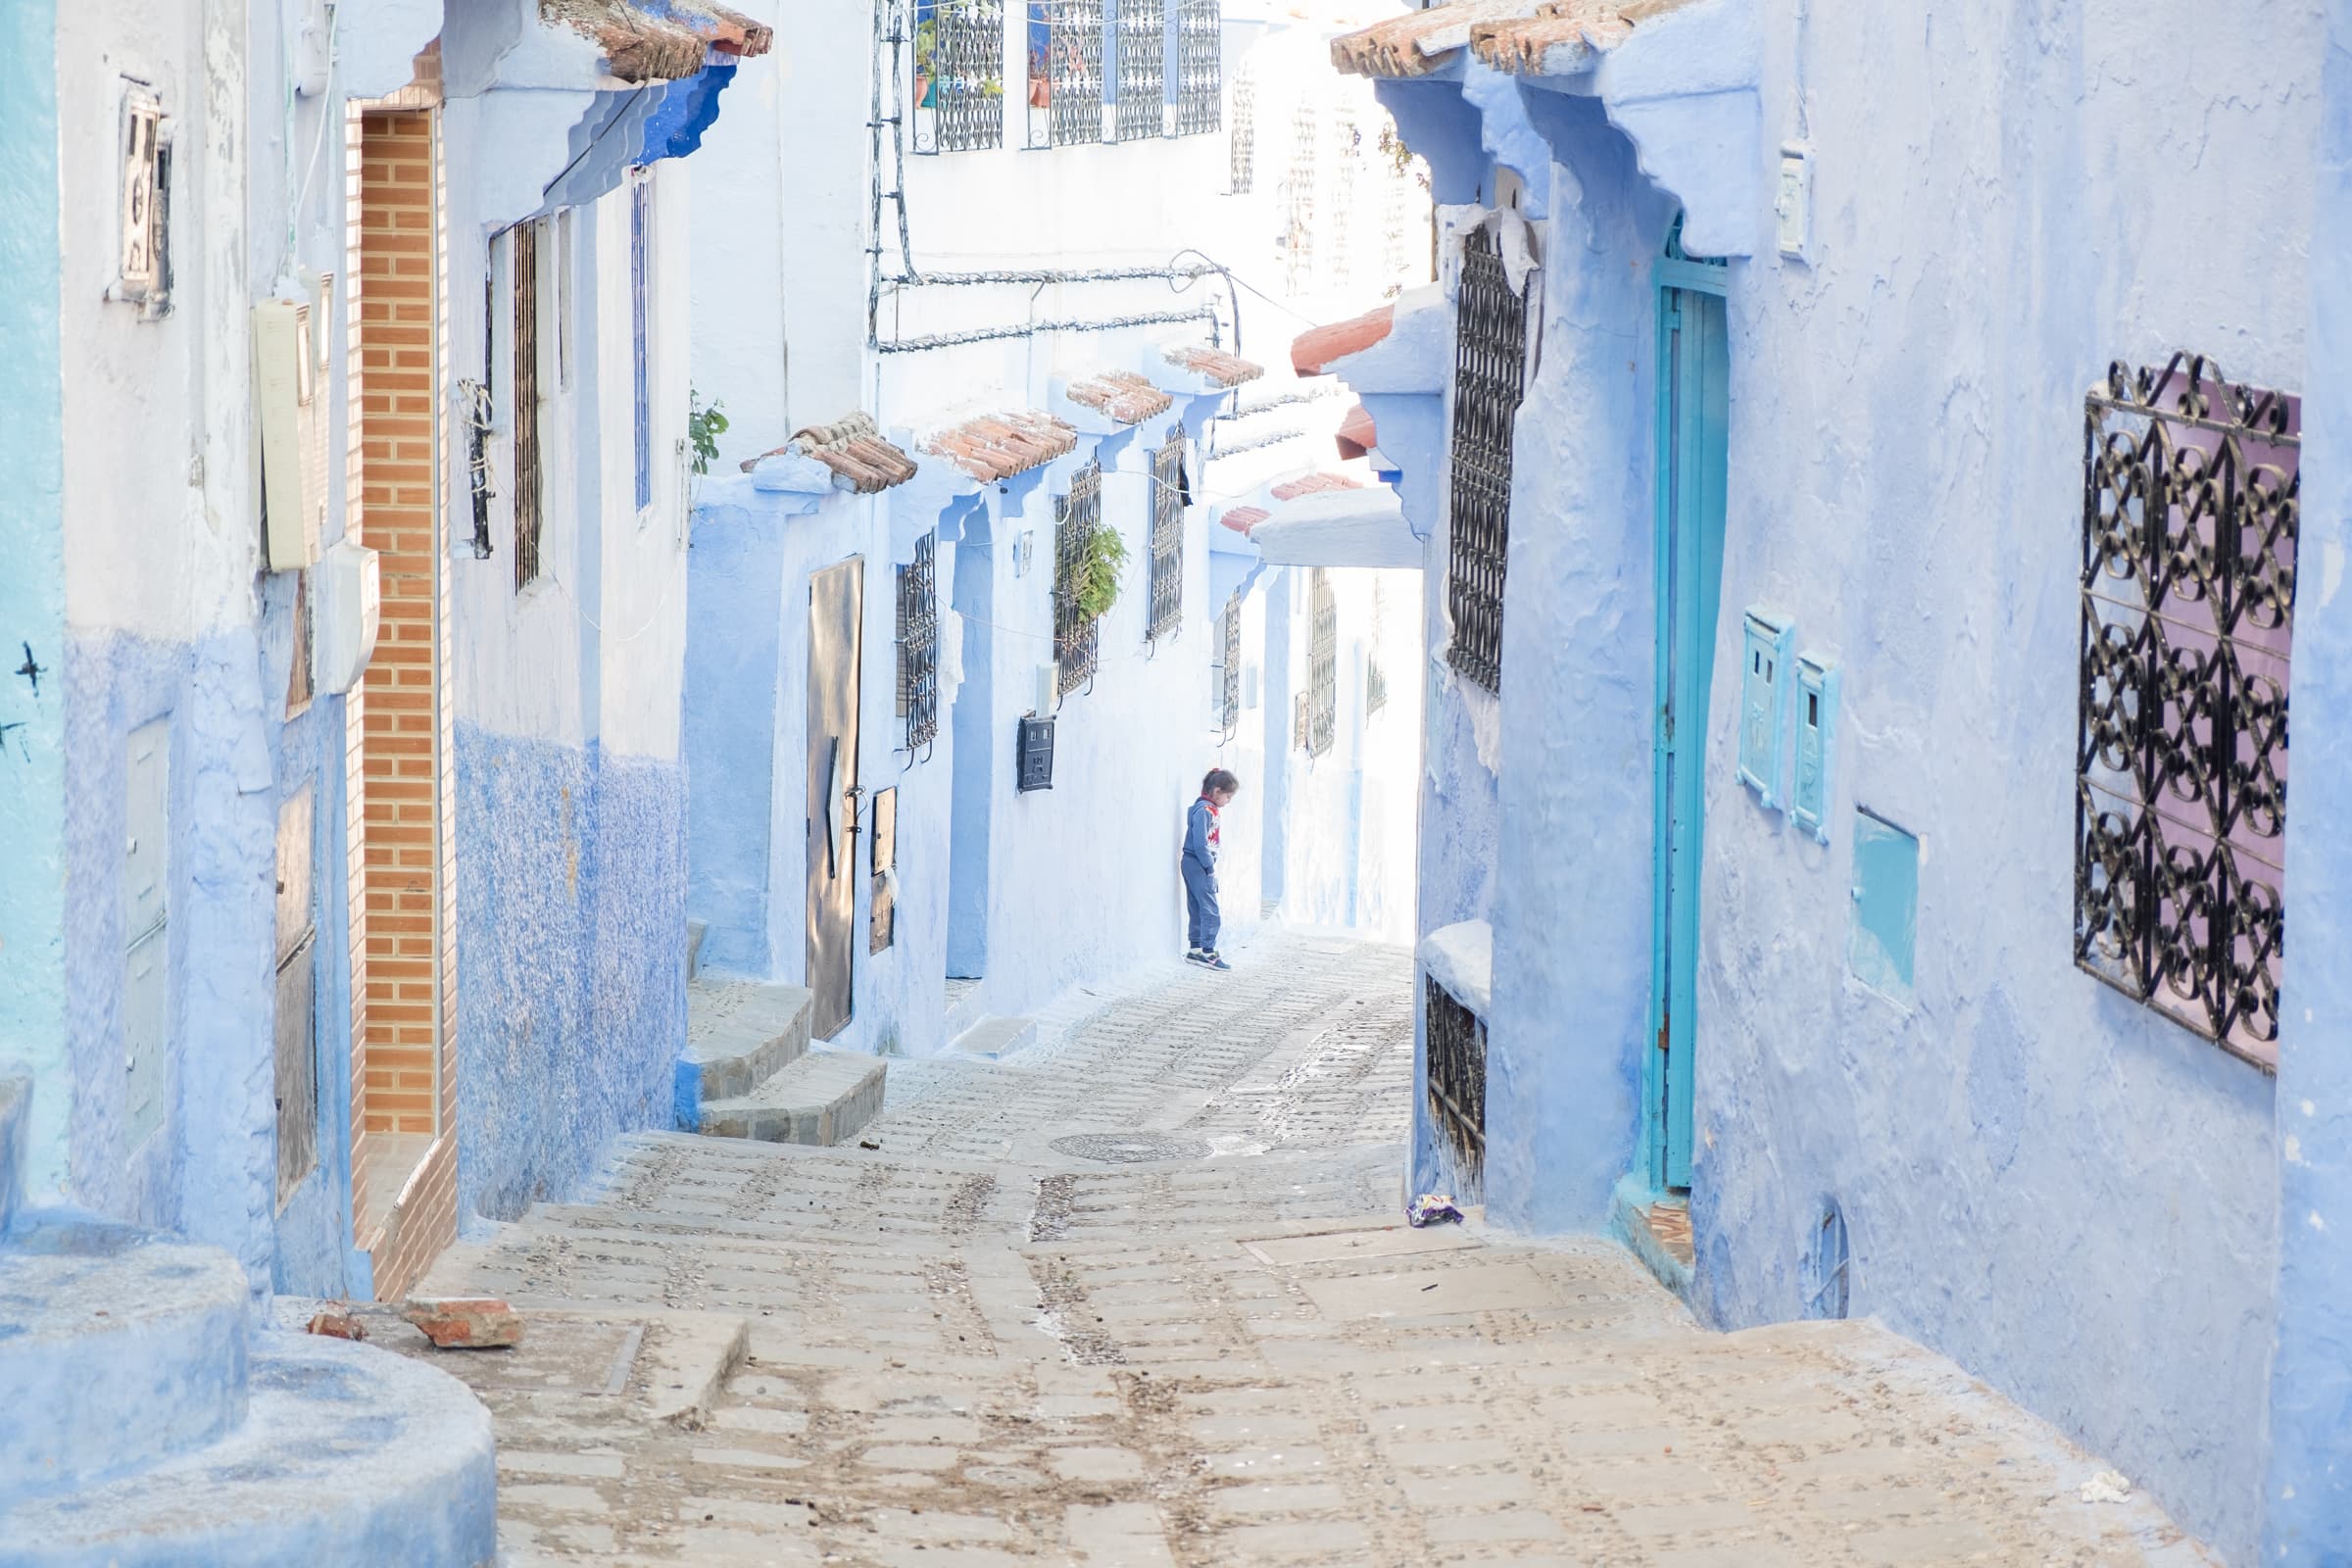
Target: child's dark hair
{"points": [[1219, 779]]}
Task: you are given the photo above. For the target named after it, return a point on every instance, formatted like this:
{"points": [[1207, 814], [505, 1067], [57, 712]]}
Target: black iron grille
{"points": [[1489, 366], [1241, 144], [918, 643], [1200, 67], [958, 74], [1076, 634], [1323, 666], [1142, 92], [528, 511], [1457, 1044], [1230, 640], [1065, 71], [1168, 536], [2191, 504]]}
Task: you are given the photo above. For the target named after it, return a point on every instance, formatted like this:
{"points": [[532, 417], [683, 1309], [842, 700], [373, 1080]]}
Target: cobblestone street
{"points": [[1139, 1294]]}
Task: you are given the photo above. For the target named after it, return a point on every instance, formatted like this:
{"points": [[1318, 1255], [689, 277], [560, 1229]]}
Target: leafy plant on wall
{"points": [[1099, 576], [703, 427]]}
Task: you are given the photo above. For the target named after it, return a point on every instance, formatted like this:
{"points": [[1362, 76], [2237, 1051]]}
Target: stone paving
{"points": [[1138, 1296]]}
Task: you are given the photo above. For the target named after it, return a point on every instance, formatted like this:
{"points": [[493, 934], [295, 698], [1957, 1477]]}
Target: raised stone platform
{"points": [[821, 1099]]}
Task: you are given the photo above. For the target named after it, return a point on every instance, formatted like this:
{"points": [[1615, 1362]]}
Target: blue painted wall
{"points": [[2308, 1494]]}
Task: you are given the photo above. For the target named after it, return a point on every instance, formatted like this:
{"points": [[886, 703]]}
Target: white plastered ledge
{"points": [[1363, 527], [1461, 958]]}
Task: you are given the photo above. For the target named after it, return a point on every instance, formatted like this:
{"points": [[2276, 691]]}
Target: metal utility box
{"points": [[1036, 753]]}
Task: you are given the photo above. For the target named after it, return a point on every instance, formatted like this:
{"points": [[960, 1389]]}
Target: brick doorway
{"points": [[402, 914]]}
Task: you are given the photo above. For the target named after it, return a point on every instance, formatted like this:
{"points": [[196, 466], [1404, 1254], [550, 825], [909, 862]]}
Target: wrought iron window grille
{"points": [[1064, 48], [1168, 495], [1230, 639], [474, 413], [1139, 95], [143, 251], [1323, 666], [959, 76], [1241, 144], [1199, 67], [2191, 513], [1376, 688], [1489, 368], [1455, 1041], [1077, 636], [918, 645]]}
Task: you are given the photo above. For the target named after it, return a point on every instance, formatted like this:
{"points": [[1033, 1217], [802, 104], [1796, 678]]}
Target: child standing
{"points": [[1202, 840]]}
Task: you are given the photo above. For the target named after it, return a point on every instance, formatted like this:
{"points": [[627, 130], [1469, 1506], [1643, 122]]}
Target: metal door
{"points": [[836, 611], [1693, 473]]}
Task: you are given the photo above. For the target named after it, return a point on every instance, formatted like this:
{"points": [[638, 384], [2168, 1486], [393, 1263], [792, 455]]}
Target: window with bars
{"points": [[641, 222], [1229, 641], [143, 252], [529, 511], [958, 74], [1322, 665], [1138, 93], [918, 643], [1455, 1042], [1168, 536], [1065, 72], [2191, 506], [1200, 67], [1076, 634], [1490, 364], [1241, 144]]}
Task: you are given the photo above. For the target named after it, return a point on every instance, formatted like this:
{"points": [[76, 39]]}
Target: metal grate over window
{"points": [[1241, 145], [1200, 67], [1076, 634], [2190, 508], [1322, 665], [1168, 536], [918, 643], [530, 511], [1230, 640], [1065, 72], [1489, 366], [959, 76], [1457, 1046], [1141, 92]]}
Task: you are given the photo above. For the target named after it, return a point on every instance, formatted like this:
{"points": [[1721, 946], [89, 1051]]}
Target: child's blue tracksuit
{"points": [[1201, 843]]}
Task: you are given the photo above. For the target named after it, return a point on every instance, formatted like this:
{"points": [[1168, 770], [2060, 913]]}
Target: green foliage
{"points": [[703, 427], [1098, 573]]}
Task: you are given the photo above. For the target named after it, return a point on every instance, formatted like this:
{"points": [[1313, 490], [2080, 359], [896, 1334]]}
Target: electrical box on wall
{"points": [[1792, 202], [290, 430], [1816, 743], [1764, 681], [350, 610], [1036, 760]]}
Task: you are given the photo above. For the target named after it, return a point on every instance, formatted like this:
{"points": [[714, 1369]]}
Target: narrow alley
{"points": [[1138, 1294]]}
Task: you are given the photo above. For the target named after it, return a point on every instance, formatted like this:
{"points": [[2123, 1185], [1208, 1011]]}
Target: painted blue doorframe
{"points": [[1694, 426]]}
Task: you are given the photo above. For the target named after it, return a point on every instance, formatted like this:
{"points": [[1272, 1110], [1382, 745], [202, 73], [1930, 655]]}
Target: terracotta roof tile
{"points": [[1564, 36], [1314, 349], [1357, 434], [1417, 42], [1314, 484], [1241, 519], [641, 45], [853, 448], [1120, 395], [1226, 369], [998, 446]]}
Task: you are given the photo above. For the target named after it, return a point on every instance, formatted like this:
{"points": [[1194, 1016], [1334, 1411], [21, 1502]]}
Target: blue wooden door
{"points": [[1692, 472]]}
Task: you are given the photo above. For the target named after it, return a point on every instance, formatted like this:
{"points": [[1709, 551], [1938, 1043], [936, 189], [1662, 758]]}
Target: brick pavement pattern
{"points": [[1139, 1296]]}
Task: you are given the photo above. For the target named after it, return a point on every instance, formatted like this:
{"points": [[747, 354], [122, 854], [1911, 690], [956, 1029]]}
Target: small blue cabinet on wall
{"points": [[1764, 683], [1816, 743]]}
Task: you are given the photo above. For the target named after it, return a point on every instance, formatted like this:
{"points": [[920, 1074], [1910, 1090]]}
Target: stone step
{"points": [[739, 1034], [967, 1005], [994, 1038], [118, 1349], [822, 1098], [16, 1100], [347, 1455]]}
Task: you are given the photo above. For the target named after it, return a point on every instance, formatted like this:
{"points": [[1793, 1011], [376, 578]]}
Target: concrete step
{"points": [[347, 1455], [739, 1034], [16, 1100], [822, 1098], [994, 1038], [118, 1349], [967, 1005]]}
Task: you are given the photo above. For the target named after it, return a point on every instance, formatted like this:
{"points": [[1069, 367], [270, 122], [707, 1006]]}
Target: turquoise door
{"points": [[1692, 472]]}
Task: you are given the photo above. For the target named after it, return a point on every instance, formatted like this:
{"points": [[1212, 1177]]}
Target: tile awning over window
{"points": [[660, 40], [1241, 519], [1316, 349], [1226, 369], [1314, 484], [1523, 36], [852, 447], [998, 446], [1120, 395], [1357, 434]]}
